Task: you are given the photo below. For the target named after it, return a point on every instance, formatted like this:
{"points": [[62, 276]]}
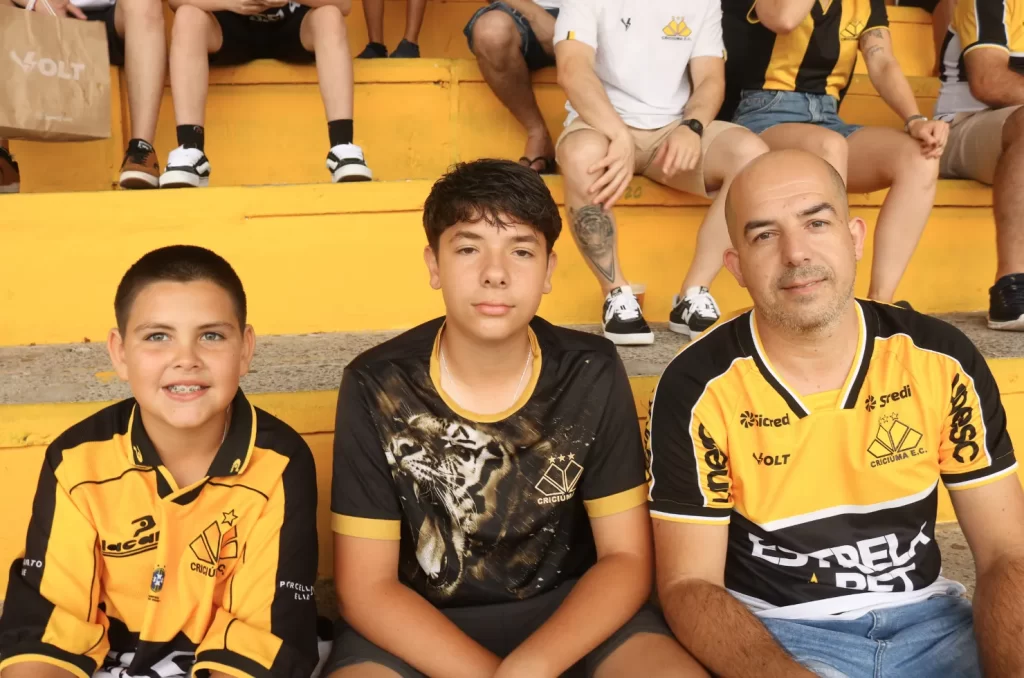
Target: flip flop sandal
{"points": [[548, 164]]}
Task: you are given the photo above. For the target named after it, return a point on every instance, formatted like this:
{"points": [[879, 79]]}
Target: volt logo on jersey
{"points": [[772, 459]]}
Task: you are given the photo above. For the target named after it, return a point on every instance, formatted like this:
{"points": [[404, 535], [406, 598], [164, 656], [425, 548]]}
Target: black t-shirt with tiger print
{"points": [[488, 509]]}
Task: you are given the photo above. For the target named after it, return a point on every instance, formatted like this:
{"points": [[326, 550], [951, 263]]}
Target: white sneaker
{"points": [[186, 168], [346, 163], [624, 323], [694, 313]]}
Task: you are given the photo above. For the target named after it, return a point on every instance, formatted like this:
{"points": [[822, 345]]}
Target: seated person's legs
{"points": [[195, 36], [507, 49], [323, 33], [365, 670], [593, 230], [652, 655]]}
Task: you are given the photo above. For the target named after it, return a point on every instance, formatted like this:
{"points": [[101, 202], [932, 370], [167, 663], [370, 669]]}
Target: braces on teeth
{"points": [[185, 389]]}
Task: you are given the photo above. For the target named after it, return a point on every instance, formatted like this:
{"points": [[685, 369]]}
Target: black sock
{"points": [[140, 145], [340, 132], [192, 136]]}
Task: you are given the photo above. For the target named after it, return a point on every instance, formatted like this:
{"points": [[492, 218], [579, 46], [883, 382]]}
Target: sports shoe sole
{"points": [[684, 329], [10, 188], [1007, 325], [132, 179], [630, 339], [182, 179], [347, 173]]}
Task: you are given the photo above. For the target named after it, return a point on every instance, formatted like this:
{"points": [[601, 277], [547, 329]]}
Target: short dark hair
{"points": [[178, 263], [500, 192]]}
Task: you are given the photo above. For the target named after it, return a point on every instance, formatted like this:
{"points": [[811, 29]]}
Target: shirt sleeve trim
{"points": [[700, 520], [367, 528], [43, 659], [222, 668], [616, 503], [978, 482], [984, 45]]}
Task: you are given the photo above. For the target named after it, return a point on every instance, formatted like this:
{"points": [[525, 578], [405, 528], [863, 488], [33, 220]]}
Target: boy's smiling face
{"points": [[183, 352]]}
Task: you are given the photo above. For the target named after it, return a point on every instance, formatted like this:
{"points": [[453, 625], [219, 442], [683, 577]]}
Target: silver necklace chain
{"points": [[519, 387]]}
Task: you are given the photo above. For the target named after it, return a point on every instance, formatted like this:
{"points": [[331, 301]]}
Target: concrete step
{"points": [[349, 257]]}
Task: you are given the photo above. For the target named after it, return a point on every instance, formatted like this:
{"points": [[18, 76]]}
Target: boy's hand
{"points": [[61, 8], [931, 134], [250, 7], [679, 153]]}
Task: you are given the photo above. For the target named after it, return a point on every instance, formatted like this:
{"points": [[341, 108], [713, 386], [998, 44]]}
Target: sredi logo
{"points": [[48, 67]]}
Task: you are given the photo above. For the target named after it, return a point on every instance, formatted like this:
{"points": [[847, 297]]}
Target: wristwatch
{"points": [[906, 124], [695, 125]]}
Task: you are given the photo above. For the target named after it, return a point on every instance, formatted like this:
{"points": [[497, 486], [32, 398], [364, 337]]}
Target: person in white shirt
{"points": [[627, 69], [511, 39]]}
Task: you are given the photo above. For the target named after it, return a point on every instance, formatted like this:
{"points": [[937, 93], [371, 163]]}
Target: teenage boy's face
{"points": [[183, 352], [492, 279]]}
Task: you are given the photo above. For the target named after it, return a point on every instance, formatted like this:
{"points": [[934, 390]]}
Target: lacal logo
{"points": [[213, 546], [870, 403], [961, 431], [140, 542], [749, 419], [560, 478], [771, 459], [716, 461], [894, 441], [48, 67]]}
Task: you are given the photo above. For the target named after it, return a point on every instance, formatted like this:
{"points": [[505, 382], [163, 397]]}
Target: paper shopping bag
{"points": [[54, 77]]}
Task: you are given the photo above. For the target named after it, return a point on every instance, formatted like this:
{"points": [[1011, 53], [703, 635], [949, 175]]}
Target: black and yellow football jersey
{"points": [[817, 57], [123, 569], [830, 498], [495, 508]]}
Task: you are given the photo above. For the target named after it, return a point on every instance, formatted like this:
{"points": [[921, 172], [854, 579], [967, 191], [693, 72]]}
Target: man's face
{"points": [[183, 352], [795, 249], [492, 279]]}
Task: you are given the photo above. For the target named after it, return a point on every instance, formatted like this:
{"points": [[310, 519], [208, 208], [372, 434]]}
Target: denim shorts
{"points": [[760, 109], [929, 639], [529, 45]]}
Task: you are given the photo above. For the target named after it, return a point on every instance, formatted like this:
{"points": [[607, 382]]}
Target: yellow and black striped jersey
{"points": [[830, 499], [978, 24], [122, 568], [488, 508], [817, 57]]}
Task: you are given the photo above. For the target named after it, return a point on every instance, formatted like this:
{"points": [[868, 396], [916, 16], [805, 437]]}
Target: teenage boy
{"points": [[135, 41], [796, 456], [489, 480], [231, 32], [173, 532]]}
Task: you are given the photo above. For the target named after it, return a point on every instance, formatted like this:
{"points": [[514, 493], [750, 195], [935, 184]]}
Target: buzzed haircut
{"points": [[837, 183], [500, 192], [182, 264]]}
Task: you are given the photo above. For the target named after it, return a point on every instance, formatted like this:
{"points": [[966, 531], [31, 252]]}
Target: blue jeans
{"points": [[533, 52], [760, 109], [930, 639]]}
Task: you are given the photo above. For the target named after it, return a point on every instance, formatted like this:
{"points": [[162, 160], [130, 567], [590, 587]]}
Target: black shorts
{"points": [[115, 45], [500, 628], [264, 36], [530, 47]]}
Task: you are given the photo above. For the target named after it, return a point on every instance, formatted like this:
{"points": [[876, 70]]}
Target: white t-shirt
{"points": [[643, 49]]}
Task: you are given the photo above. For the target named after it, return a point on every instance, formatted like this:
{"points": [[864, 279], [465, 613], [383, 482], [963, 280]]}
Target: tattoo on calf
{"points": [[595, 232]]}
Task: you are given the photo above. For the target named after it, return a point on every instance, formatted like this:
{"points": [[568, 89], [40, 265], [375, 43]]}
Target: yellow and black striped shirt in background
{"points": [[122, 568], [817, 57]]}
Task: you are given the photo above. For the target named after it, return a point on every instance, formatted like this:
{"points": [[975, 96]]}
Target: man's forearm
{"points": [[782, 16], [402, 622], [999, 617], [999, 88], [705, 101], [587, 96], [35, 670], [601, 602], [723, 635], [894, 89]]}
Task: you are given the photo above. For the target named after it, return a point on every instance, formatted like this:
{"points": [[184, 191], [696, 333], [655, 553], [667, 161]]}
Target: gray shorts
{"points": [[500, 628]]}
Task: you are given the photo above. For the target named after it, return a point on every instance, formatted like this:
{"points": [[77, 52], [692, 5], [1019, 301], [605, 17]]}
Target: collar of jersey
{"points": [[524, 397], [849, 393], [233, 455]]}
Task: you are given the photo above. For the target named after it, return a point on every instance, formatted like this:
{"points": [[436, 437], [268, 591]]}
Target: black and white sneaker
{"points": [[186, 168], [1006, 303], [694, 313], [346, 163], [624, 323]]}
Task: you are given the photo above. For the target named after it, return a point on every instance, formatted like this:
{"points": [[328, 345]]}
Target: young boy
{"points": [[489, 480], [232, 32], [173, 532]]}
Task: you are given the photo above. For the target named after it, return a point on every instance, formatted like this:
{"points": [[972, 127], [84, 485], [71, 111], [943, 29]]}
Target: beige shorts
{"points": [[975, 144], [648, 141]]}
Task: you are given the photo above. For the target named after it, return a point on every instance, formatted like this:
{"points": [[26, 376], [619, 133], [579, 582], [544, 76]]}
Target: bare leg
{"points": [[414, 19], [592, 227], [1008, 199], [364, 670], [653, 656], [196, 35], [880, 157], [822, 142], [323, 31], [496, 44], [374, 10], [141, 24], [729, 153]]}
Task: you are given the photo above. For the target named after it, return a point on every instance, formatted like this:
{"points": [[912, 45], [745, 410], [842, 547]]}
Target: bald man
{"points": [[796, 452]]}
